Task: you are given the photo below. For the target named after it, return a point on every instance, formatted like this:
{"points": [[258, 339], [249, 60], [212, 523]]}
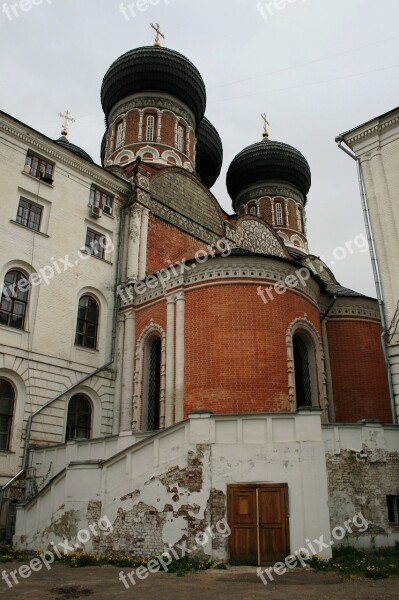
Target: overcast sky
{"points": [[316, 67]]}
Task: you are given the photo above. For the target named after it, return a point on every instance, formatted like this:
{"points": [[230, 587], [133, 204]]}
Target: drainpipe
{"points": [[327, 365], [374, 265], [129, 201]]}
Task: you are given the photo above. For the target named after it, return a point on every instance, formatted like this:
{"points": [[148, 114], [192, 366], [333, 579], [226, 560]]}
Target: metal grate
{"points": [[154, 381], [303, 382]]}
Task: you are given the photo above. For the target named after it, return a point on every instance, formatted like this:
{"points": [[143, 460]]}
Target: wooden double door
{"points": [[259, 521]]}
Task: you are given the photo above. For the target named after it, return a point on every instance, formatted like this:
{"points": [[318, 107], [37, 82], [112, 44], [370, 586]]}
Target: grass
{"points": [[351, 562], [78, 558]]}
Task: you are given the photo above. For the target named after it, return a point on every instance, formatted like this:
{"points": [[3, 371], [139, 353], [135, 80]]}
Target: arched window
{"points": [[180, 138], [87, 322], [7, 399], [78, 419], [152, 386], [120, 134], [305, 371], [279, 214], [150, 128], [252, 209], [14, 300]]}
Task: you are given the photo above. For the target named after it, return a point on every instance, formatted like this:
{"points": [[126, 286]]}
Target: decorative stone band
{"points": [[179, 220], [219, 271], [161, 102], [355, 308], [273, 189]]}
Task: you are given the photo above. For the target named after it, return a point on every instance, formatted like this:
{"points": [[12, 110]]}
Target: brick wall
{"points": [[236, 350], [168, 245], [358, 373], [362, 485]]}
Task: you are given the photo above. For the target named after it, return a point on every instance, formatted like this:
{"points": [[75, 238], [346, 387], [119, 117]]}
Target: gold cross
{"points": [[67, 117], [266, 125], [158, 34]]}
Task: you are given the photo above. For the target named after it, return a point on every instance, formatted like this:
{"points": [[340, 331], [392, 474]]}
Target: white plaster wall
{"points": [[43, 357], [376, 144], [233, 449]]}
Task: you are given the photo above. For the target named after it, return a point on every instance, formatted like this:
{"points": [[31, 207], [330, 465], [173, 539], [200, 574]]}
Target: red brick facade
{"points": [[358, 372], [236, 351], [168, 245]]}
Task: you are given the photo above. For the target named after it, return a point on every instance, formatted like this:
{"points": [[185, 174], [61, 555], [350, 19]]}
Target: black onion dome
{"points": [[265, 161], [209, 156], [156, 69], [65, 143]]}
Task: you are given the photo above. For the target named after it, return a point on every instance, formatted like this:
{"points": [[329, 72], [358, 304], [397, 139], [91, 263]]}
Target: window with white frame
{"points": [[101, 199], [79, 418], [150, 128], [279, 214], [120, 134], [180, 138], [29, 214]]}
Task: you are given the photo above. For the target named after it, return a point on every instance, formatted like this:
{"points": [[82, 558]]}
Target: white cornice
{"points": [[370, 129], [39, 142]]}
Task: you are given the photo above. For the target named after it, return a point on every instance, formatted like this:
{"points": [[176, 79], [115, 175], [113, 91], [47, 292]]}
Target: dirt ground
{"points": [[236, 583]]}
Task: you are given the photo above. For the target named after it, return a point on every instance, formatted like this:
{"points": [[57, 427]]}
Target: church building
{"points": [[168, 365]]}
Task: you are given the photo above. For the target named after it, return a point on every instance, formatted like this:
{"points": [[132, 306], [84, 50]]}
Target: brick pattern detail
{"points": [[168, 245], [184, 194], [359, 380], [236, 352]]}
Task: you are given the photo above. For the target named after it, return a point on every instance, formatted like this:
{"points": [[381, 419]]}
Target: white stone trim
{"points": [[170, 359], [320, 383], [143, 243], [172, 154], [138, 394], [133, 246], [179, 383], [128, 371]]}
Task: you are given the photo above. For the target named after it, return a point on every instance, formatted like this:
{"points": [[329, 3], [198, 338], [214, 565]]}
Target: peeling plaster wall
{"points": [[363, 468], [171, 486]]}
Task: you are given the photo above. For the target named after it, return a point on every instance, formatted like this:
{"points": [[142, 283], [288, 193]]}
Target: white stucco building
{"points": [[376, 146]]}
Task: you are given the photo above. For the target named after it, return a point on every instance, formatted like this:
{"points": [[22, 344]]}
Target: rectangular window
{"points": [[39, 167], [96, 243], [279, 214], [120, 134], [101, 200], [28, 214], [393, 509], [150, 128], [180, 138]]}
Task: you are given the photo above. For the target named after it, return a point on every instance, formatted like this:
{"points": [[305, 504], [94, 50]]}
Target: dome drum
{"points": [[265, 162]]}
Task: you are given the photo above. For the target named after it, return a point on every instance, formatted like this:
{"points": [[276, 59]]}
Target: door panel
{"points": [[243, 524], [273, 524], [258, 518]]}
